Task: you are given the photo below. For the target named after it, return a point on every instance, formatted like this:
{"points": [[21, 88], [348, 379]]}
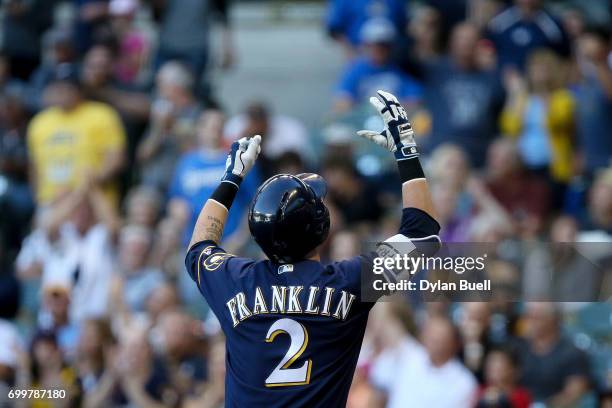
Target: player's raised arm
{"points": [[211, 221], [418, 218]]}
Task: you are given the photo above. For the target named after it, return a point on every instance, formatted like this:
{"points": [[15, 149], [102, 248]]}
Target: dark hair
{"points": [[257, 111], [601, 32], [340, 163], [103, 328], [41, 336], [508, 351], [289, 158]]}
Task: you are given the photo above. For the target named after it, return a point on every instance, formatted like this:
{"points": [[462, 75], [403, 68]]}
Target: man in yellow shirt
{"points": [[74, 141]]}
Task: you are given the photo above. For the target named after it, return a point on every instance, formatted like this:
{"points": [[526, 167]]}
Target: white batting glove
{"points": [[241, 158], [397, 136]]}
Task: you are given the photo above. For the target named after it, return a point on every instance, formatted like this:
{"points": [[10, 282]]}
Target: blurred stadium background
{"points": [[114, 121]]}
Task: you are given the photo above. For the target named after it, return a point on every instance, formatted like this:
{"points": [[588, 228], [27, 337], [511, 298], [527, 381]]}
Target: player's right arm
{"points": [[209, 226]]}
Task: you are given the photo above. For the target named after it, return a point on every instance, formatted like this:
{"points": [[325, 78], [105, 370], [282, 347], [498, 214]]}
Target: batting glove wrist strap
{"points": [[225, 193], [410, 169]]}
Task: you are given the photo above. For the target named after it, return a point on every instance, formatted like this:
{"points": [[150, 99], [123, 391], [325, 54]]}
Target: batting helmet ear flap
{"points": [[315, 182]]}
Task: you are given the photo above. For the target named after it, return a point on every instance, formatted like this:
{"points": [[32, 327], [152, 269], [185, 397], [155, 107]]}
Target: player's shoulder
{"points": [[207, 257], [211, 256]]}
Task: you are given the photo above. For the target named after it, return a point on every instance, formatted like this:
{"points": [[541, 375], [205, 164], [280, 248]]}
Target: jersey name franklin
{"points": [[291, 300]]}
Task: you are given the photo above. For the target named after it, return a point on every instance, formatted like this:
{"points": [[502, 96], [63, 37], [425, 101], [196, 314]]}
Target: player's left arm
{"points": [[212, 218], [418, 232]]}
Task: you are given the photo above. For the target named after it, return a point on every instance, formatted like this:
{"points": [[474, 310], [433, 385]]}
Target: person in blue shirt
{"points": [[374, 70], [463, 99], [594, 96], [522, 28], [197, 173], [345, 18], [294, 325]]}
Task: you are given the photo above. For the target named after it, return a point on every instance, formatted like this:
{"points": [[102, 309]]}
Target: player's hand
{"points": [[242, 156], [397, 136]]}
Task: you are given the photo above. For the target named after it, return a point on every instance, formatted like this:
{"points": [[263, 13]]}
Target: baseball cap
{"points": [[377, 30]]}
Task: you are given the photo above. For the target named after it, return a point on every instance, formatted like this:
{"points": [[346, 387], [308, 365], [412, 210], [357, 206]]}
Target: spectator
{"points": [[426, 32], [474, 328], [375, 70], [463, 100], [92, 23], [522, 28], [16, 201], [162, 299], [352, 195], [54, 316], [143, 206], [136, 377], [197, 175], [398, 345], [453, 13], [133, 45], [46, 369], [553, 370], [23, 25], [560, 270], [346, 18], [13, 147], [525, 197], [87, 138], [168, 248], [500, 388], [465, 208], [423, 381], [7, 81], [540, 114], [594, 100], [597, 225], [11, 349], [184, 35], [61, 51], [171, 132], [137, 278], [85, 226], [574, 22], [213, 394], [94, 345], [72, 245], [280, 134], [99, 83], [183, 350]]}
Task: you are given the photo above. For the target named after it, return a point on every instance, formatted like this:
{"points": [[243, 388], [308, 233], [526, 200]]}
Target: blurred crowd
{"points": [[112, 138]]}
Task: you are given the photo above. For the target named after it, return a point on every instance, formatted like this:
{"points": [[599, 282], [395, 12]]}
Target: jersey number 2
{"points": [[283, 375]]}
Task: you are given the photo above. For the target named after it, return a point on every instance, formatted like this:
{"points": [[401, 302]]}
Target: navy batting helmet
{"points": [[287, 217]]}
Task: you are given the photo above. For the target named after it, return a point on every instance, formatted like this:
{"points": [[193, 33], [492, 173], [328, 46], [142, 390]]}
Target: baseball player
{"points": [[293, 325]]}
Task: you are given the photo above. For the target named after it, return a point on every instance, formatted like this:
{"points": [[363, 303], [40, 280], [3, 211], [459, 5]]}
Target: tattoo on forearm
{"points": [[214, 229]]}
